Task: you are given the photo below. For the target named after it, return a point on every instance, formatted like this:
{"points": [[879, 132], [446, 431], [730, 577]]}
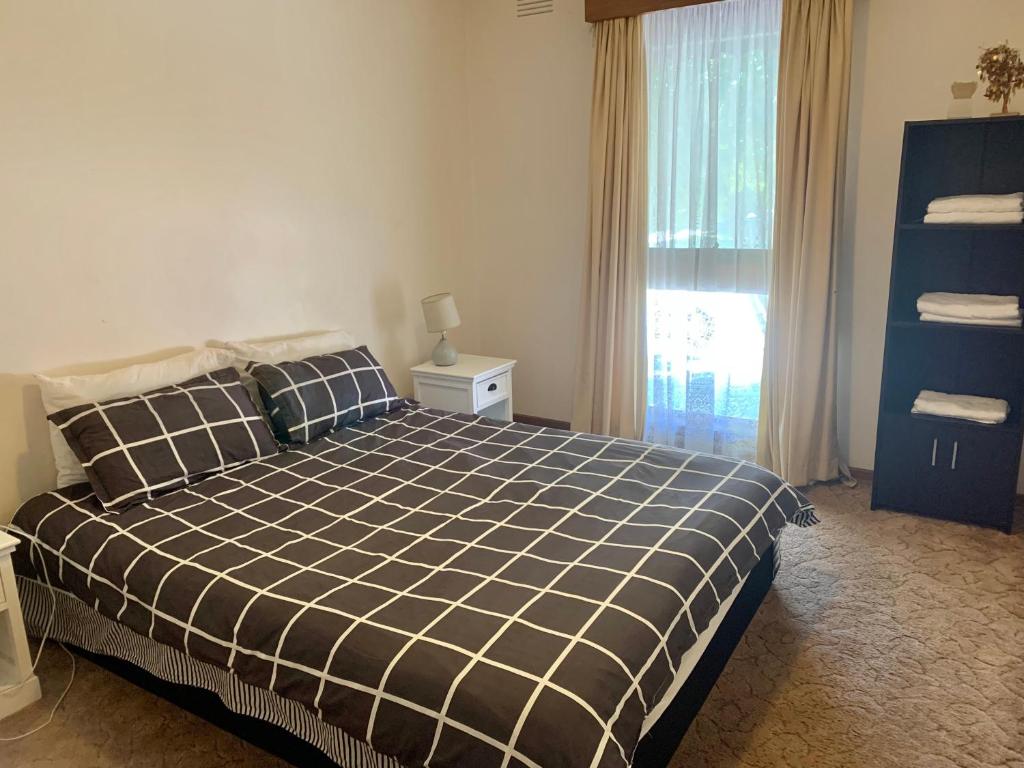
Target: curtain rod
{"points": [[600, 10]]}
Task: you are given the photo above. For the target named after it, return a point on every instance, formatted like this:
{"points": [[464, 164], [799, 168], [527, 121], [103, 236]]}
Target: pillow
{"points": [[60, 392], [279, 350], [293, 348], [311, 397], [134, 448]]}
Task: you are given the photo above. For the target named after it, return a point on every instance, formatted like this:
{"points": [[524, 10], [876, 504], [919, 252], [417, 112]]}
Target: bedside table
{"points": [[480, 385], [19, 685]]}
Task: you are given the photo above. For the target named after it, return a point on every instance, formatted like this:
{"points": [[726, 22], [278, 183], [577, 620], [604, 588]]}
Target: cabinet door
{"points": [[909, 472], [980, 472], [943, 469]]}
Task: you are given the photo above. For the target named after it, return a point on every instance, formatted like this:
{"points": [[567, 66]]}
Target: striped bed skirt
{"points": [[61, 616]]}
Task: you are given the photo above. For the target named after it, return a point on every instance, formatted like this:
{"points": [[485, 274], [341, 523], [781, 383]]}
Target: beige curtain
{"points": [[797, 435], [611, 368]]}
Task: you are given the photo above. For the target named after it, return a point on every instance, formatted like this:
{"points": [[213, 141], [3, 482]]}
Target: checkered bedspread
{"points": [[454, 591]]}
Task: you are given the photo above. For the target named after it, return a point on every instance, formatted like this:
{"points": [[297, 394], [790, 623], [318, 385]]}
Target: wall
{"points": [[179, 171], [174, 172], [907, 52], [529, 99], [529, 83]]}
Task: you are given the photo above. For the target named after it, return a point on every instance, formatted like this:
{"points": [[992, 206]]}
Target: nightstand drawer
{"points": [[493, 389]]}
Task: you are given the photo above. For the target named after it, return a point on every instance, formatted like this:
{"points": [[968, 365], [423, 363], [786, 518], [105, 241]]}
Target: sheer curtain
{"points": [[712, 84]]}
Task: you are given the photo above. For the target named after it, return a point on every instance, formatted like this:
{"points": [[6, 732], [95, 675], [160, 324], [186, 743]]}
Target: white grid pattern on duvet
{"points": [[517, 435]]}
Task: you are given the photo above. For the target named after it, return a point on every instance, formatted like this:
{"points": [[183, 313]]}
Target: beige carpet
{"points": [[888, 640]]}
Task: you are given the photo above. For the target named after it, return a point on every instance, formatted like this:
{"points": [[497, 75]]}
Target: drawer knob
{"points": [[492, 387]]}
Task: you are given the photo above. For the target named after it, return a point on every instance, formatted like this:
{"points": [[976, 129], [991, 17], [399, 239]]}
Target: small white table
{"points": [[475, 384], [19, 685]]}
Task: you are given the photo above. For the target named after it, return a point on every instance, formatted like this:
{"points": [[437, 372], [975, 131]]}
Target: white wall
{"points": [[529, 85], [907, 52], [172, 172]]}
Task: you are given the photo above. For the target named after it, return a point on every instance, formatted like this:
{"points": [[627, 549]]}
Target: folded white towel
{"points": [[969, 305], [977, 203], [986, 410], [927, 317], [974, 217]]}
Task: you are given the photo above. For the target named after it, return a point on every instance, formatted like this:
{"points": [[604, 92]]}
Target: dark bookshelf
{"points": [[941, 467]]}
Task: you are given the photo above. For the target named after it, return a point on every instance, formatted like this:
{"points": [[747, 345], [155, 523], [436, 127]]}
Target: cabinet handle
{"points": [[956, 445], [492, 387], [935, 448]]}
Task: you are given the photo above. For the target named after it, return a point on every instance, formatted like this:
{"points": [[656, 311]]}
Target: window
{"points": [[712, 82]]}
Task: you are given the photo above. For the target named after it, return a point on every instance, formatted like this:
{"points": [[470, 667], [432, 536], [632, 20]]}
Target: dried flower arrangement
{"points": [[1002, 68]]}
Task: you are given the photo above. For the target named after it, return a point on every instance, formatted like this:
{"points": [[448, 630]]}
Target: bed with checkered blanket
{"points": [[450, 590]]}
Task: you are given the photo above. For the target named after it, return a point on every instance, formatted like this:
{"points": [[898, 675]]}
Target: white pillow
{"points": [[60, 392], [281, 350]]}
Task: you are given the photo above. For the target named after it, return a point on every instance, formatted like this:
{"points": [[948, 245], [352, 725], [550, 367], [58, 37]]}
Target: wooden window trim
{"points": [[600, 10]]}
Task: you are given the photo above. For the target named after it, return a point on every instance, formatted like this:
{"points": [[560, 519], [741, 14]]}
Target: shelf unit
{"points": [[951, 468], [920, 225]]}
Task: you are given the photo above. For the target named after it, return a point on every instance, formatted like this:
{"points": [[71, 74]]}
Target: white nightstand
{"points": [[481, 385], [19, 685]]}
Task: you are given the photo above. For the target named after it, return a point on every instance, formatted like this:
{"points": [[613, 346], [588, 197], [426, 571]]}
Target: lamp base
{"points": [[445, 352]]}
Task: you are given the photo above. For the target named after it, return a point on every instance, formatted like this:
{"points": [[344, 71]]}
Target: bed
{"points": [[424, 588]]}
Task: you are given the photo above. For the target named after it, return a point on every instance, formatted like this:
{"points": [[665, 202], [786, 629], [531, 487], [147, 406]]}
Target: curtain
{"points": [[797, 435], [610, 371], [712, 83]]}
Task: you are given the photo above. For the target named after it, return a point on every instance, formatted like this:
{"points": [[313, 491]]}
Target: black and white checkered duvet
{"points": [[454, 591]]}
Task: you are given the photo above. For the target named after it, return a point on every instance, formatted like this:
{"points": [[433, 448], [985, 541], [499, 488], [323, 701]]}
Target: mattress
{"points": [[442, 588]]}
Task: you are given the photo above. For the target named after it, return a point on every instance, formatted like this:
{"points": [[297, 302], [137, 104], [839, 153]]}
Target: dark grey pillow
{"points": [[311, 397], [135, 448]]}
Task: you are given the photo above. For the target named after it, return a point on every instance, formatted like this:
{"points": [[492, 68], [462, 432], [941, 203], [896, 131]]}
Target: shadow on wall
{"points": [[211, 342], [390, 316], [395, 312], [26, 460]]}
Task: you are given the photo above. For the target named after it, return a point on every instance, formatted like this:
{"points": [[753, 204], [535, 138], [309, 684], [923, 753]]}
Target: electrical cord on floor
{"points": [[53, 711], [39, 654]]}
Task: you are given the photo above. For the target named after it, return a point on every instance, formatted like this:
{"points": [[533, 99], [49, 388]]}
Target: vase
{"points": [[962, 92]]}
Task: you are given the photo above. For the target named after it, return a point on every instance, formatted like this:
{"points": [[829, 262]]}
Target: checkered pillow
{"points": [[311, 397], [135, 448]]}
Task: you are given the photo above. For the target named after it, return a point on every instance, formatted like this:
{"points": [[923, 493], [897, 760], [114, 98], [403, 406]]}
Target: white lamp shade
{"points": [[440, 312]]}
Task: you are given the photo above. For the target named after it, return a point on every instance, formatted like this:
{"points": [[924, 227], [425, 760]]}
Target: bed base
{"points": [[654, 751], [661, 742]]}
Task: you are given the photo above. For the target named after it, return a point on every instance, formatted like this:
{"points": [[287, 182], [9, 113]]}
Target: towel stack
{"points": [[970, 309], [985, 410], [977, 209]]}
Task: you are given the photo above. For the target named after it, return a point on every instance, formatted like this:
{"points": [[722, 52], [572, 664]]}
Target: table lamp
{"points": [[441, 315]]}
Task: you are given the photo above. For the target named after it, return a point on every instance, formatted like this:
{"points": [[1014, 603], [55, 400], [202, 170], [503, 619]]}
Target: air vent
{"points": [[526, 8]]}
